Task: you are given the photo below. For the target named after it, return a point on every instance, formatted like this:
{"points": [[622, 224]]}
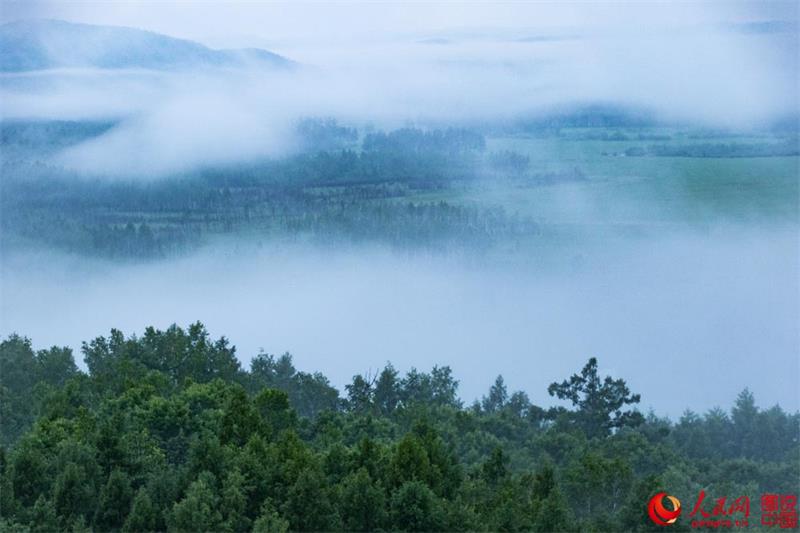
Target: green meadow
{"points": [[617, 190]]}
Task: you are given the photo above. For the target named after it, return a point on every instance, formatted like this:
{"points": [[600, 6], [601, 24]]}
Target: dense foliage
{"points": [[167, 431]]}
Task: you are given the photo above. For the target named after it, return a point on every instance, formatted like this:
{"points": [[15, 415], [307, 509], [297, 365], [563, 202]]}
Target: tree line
{"points": [[340, 189], [168, 432]]}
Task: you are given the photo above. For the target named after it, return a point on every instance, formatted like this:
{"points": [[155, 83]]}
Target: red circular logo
{"points": [[660, 514]]}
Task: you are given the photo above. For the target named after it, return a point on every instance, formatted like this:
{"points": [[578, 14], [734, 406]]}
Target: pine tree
{"points": [[199, 509], [359, 394], [414, 507], [497, 398], [494, 468], [362, 503], [72, 494], [234, 502], [599, 401], [115, 502], [143, 515], [553, 514], [410, 462], [387, 390], [544, 482], [44, 519], [744, 416], [308, 506], [269, 521]]}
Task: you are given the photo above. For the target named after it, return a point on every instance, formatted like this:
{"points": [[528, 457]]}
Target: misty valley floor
{"points": [[662, 251]]}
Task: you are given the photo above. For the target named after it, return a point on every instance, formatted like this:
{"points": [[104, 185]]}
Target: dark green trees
{"points": [[363, 503], [414, 507], [269, 521], [497, 397], [387, 390], [600, 402], [199, 510], [25, 379], [175, 353], [152, 440], [73, 494], [310, 394], [387, 393], [114, 502], [308, 504], [143, 515]]}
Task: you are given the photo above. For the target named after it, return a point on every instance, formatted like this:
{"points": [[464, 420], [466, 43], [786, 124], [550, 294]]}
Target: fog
{"points": [[688, 320], [710, 65]]}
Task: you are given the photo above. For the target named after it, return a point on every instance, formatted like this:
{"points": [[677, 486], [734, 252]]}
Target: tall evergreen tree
{"points": [[114, 502], [308, 506], [363, 504], [143, 515], [199, 510], [414, 507], [599, 401], [269, 521], [498, 395]]}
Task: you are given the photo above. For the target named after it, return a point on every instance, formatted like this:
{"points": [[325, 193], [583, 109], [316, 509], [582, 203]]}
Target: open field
{"points": [[646, 190]]}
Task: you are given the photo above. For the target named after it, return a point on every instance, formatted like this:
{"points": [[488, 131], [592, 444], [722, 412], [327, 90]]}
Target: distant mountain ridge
{"points": [[46, 44]]}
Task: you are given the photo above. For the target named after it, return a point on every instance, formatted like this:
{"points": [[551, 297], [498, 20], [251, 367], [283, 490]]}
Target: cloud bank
{"points": [[704, 316], [709, 66]]}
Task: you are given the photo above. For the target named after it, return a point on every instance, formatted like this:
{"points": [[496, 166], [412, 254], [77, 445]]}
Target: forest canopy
{"points": [[167, 431]]}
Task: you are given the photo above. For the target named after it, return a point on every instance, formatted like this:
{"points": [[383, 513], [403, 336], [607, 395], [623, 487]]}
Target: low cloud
{"points": [[700, 316], [708, 75]]}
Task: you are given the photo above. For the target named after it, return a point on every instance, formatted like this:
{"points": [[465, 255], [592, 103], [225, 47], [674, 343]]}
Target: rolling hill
{"points": [[48, 44]]}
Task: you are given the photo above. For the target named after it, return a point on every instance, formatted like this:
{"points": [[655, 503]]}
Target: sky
{"points": [[228, 24]]}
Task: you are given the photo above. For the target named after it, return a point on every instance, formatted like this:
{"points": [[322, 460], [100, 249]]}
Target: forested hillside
{"points": [[166, 431]]}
